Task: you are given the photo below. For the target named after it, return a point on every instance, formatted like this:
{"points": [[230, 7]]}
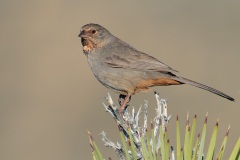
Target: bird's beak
{"points": [[82, 34]]}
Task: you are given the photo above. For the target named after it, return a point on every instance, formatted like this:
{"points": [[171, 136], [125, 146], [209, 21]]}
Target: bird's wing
{"points": [[130, 58]]}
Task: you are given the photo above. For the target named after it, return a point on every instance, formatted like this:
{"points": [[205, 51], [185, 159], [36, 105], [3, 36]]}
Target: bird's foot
{"points": [[123, 100]]}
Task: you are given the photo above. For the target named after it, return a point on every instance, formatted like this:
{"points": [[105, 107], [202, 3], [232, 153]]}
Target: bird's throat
{"points": [[87, 45]]}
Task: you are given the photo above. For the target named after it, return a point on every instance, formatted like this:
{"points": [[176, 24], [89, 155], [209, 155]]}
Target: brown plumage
{"points": [[125, 70]]}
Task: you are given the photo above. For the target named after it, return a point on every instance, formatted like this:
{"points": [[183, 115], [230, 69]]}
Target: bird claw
{"points": [[123, 109]]}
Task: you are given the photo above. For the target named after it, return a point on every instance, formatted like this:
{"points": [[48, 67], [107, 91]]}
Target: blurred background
{"points": [[49, 97]]}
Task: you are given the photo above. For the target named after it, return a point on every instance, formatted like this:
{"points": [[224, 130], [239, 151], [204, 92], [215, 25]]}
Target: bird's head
{"points": [[93, 36]]}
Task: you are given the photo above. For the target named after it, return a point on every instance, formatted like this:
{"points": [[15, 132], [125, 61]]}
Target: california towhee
{"points": [[124, 69]]}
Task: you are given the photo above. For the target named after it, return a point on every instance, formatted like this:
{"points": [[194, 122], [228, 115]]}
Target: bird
{"points": [[124, 69]]}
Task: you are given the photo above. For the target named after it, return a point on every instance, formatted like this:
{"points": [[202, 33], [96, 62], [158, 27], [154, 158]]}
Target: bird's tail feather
{"points": [[199, 85]]}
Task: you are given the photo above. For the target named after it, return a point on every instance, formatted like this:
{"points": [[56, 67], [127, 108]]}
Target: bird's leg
{"points": [[122, 103], [122, 98]]}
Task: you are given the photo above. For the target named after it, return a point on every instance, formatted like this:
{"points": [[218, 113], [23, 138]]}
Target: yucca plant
{"points": [[139, 143]]}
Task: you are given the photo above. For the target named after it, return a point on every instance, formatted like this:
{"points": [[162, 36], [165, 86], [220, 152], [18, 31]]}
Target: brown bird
{"points": [[125, 70]]}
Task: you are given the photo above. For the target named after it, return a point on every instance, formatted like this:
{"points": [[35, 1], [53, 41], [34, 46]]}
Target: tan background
{"points": [[49, 97]]}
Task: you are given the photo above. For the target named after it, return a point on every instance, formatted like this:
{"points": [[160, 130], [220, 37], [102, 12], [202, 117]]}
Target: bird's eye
{"points": [[94, 31]]}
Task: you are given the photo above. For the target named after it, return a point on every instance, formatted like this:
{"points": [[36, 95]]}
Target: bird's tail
{"points": [[199, 85]]}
